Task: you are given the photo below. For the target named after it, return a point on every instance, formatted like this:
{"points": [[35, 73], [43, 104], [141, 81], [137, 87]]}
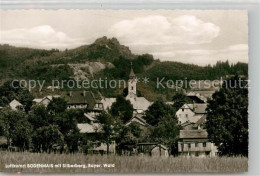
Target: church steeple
{"points": [[132, 83], [132, 74]]}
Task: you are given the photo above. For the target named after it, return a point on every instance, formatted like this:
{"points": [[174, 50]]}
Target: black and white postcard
{"points": [[123, 91]]}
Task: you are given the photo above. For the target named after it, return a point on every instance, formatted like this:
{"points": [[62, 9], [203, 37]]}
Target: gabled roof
{"points": [[138, 119], [49, 97], [13, 104], [89, 116], [107, 102], [200, 121], [139, 102], [79, 97], [193, 134], [88, 128], [198, 108], [198, 98], [152, 144]]}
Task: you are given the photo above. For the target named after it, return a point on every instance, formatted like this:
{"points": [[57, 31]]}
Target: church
{"points": [[140, 104]]}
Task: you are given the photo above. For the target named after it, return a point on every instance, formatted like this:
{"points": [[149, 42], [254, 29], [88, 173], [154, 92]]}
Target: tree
{"points": [[179, 100], [16, 128], [122, 108], [67, 122], [110, 127], [166, 132], [227, 119], [12, 90], [157, 111], [22, 134], [39, 116], [46, 137], [129, 137], [57, 105]]}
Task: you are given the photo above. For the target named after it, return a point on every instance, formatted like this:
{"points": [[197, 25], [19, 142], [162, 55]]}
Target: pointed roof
{"points": [[132, 74], [14, 104]]}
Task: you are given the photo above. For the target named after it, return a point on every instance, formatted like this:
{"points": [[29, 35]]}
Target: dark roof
{"points": [[79, 97], [193, 134], [132, 74], [195, 99], [200, 121]]}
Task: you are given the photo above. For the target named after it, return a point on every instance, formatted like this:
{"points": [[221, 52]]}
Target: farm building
{"points": [[195, 143], [45, 100], [79, 99], [153, 149]]}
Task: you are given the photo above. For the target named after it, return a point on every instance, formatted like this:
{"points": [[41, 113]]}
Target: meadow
{"points": [[116, 164]]}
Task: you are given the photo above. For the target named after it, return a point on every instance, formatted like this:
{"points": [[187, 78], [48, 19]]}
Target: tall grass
{"points": [[123, 164]]}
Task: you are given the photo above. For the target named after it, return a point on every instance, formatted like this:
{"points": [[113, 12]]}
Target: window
{"points": [[196, 144], [189, 145], [186, 115], [197, 154], [204, 144], [182, 109], [207, 153], [132, 88]]}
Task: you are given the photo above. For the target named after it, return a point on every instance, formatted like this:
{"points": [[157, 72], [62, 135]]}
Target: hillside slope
{"points": [[105, 58]]}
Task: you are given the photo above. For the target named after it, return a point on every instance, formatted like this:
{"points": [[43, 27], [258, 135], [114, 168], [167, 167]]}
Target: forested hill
{"points": [[30, 63]]}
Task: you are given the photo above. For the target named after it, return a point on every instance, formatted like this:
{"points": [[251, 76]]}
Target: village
{"points": [[193, 138]]}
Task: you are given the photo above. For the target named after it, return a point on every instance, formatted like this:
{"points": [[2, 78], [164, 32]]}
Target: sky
{"points": [[199, 37]]}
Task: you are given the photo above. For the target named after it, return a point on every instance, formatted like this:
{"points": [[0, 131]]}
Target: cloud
{"points": [[233, 53], [158, 30], [38, 37]]}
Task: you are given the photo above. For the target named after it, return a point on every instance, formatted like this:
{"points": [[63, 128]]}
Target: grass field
{"points": [[122, 164]]}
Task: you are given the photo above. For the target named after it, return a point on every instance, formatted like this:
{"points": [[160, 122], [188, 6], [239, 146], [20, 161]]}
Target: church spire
{"points": [[132, 74]]}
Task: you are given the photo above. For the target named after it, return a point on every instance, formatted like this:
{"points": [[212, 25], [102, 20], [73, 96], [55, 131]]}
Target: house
{"points": [[91, 116], [45, 100], [91, 130], [195, 143], [138, 118], [152, 149], [205, 93], [16, 105], [196, 97], [104, 104], [140, 104], [200, 124], [189, 114], [79, 99]]}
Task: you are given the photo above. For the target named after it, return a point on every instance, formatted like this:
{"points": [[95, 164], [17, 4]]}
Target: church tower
{"points": [[132, 83]]}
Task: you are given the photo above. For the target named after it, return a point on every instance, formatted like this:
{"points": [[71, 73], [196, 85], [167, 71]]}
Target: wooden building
{"points": [[195, 143]]}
